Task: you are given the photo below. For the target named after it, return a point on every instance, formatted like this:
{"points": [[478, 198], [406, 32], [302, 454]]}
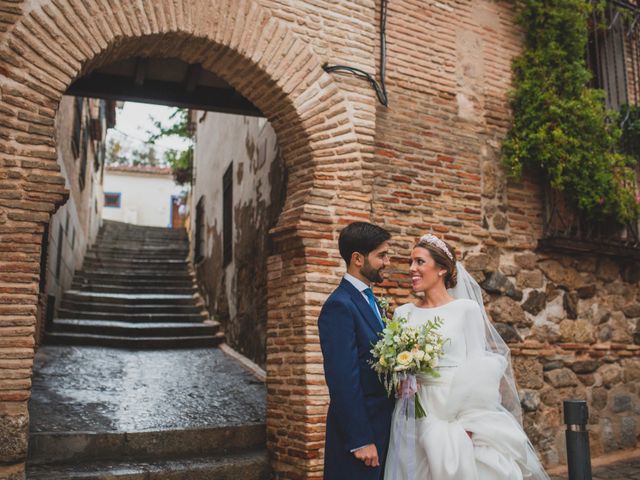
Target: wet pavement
{"points": [[625, 470], [103, 389]]}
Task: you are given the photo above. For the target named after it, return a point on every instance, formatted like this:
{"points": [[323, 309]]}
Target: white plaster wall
{"points": [[80, 217], [250, 144], [145, 198]]}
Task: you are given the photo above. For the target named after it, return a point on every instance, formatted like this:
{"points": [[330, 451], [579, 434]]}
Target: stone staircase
{"points": [[221, 453], [135, 290]]}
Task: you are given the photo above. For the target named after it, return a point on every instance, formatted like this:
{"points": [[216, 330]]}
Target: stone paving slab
{"points": [[104, 389], [625, 470]]}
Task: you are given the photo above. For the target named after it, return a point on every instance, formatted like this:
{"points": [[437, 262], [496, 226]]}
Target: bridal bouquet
{"points": [[404, 351]]}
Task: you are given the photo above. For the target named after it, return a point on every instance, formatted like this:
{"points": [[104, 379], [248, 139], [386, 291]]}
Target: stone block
{"points": [[632, 310], [530, 400], [509, 269], [528, 372], [587, 379], [570, 303], [622, 329], [552, 364], [526, 261], [608, 270], [12, 472], [629, 434], [622, 403], [530, 279], [561, 377], [577, 331], [587, 291], [535, 302], [610, 374], [631, 370], [477, 262], [599, 397], [506, 310], [14, 430], [560, 275], [508, 333], [585, 366]]}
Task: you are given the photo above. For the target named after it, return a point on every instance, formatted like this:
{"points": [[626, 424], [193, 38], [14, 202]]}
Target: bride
{"points": [[473, 424]]}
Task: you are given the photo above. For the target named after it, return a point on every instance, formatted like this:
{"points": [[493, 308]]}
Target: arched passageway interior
{"points": [[268, 65]]}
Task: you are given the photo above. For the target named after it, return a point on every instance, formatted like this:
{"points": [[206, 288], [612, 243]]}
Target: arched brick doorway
{"points": [[56, 42]]}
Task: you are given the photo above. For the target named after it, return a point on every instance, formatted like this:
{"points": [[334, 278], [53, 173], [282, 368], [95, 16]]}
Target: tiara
{"points": [[436, 242]]}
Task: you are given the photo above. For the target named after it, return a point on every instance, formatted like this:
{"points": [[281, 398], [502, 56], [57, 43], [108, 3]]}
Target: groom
{"points": [[359, 417]]}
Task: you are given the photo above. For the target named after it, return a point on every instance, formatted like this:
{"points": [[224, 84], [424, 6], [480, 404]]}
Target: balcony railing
{"points": [[567, 230]]}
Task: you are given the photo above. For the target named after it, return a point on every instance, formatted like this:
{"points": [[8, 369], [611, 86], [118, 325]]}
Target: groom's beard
{"points": [[374, 276]]}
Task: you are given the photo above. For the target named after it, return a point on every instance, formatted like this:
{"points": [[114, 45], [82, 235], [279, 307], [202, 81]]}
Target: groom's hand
{"points": [[369, 455]]}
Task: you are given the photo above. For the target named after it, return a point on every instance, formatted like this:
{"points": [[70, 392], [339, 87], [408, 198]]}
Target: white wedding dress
{"points": [[465, 398]]}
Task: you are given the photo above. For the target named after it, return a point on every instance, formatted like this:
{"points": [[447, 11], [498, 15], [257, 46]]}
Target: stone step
{"points": [[186, 290], [120, 271], [135, 248], [140, 329], [134, 282], [144, 236], [245, 466], [96, 253], [124, 265], [130, 308], [107, 277], [82, 339], [133, 285], [150, 263], [141, 247], [76, 447], [155, 317], [114, 225], [129, 298], [134, 232], [126, 257]]}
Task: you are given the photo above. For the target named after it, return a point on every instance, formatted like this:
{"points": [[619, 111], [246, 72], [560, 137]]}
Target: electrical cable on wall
{"points": [[380, 88]]}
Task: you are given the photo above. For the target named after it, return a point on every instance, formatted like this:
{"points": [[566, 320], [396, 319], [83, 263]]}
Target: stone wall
{"points": [[236, 293], [73, 228], [572, 323]]}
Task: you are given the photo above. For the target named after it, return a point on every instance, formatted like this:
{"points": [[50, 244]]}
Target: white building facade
{"points": [[145, 196]]}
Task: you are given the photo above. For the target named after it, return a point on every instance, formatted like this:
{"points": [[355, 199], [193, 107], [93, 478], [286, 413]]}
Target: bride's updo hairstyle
{"points": [[443, 254]]}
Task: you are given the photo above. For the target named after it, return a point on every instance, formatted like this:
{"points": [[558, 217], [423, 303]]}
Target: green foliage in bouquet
{"points": [[407, 350], [560, 124]]}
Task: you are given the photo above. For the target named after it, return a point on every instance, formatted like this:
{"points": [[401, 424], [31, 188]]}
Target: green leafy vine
{"points": [[560, 124]]}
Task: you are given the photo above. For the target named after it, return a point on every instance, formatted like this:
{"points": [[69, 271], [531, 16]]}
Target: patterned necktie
{"points": [[372, 302]]}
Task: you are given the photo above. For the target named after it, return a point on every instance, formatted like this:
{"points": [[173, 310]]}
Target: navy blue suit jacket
{"points": [[360, 409]]}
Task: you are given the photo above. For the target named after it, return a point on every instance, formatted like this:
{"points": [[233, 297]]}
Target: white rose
{"points": [[404, 358], [419, 355], [428, 348]]}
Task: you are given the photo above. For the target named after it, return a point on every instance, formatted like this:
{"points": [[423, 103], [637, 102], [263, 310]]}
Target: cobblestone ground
{"points": [[105, 389], [625, 470]]}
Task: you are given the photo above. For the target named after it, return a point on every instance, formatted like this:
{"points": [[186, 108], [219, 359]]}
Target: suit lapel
{"points": [[363, 306]]}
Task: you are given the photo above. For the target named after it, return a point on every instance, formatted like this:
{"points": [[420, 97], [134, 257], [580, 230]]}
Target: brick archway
{"points": [[50, 46]]}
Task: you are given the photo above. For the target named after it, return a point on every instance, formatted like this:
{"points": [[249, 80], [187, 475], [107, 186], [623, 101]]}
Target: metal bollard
{"points": [[576, 416]]}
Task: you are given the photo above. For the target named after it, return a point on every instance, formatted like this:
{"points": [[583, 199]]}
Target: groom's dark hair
{"points": [[361, 237]]}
